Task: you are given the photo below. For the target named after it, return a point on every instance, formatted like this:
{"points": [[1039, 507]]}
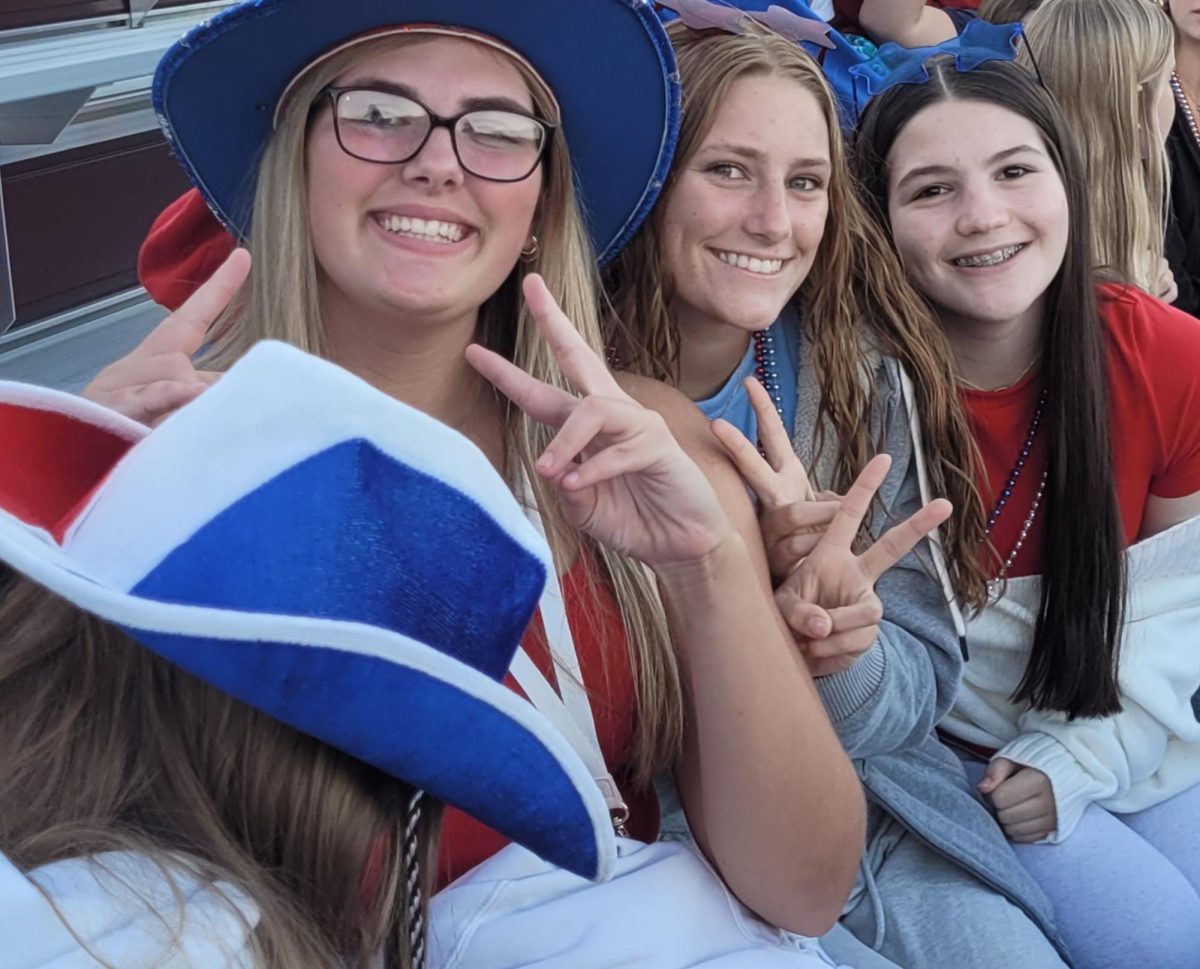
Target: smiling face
{"points": [[421, 239], [745, 216], [978, 213]]}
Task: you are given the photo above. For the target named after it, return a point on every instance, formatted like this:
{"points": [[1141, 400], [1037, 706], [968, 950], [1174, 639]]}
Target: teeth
{"points": [[989, 259], [429, 229], [766, 267]]}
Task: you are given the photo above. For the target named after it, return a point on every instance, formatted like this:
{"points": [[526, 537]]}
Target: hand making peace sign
{"points": [[620, 474], [828, 594], [157, 377]]}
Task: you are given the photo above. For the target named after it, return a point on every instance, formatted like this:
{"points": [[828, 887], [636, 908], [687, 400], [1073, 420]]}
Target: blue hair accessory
{"points": [[834, 51], [893, 64]]}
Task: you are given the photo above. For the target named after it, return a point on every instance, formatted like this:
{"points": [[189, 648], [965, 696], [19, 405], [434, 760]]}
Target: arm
{"points": [[1164, 513], [1152, 743], [762, 771], [909, 23], [896, 693]]}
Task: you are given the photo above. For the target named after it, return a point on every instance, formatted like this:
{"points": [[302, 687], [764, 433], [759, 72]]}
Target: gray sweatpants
{"points": [[922, 911]]}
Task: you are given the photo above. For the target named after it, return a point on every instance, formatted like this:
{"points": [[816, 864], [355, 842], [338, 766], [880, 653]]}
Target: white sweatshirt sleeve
{"points": [[1150, 751]]}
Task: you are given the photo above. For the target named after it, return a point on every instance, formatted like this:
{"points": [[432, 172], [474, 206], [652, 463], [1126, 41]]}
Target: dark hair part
{"points": [[1073, 662], [1007, 11]]}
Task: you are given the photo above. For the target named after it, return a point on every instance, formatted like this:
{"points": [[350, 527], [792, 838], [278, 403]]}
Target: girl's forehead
{"points": [[432, 63], [962, 132]]}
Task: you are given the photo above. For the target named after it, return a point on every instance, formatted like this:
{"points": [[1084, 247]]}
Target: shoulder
{"points": [[135, 911], [1143, 328], [682, 415]]}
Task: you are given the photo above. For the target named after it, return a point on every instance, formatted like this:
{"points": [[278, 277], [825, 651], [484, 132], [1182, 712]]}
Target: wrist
{"points": [[726, 555]]}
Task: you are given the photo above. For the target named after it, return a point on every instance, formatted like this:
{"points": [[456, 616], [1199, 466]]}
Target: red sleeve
{"points": [[185, 246], [1160, 347]]}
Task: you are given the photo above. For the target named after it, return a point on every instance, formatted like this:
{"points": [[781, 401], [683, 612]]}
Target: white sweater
{"points": [[121, 908], [1127, 762]]}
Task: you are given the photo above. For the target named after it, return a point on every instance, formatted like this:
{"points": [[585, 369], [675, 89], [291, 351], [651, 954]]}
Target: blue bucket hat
{"points": [[607, 62], [327, 555]]}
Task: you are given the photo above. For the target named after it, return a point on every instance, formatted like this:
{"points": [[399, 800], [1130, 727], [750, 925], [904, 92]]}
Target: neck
{"points": [[421, 364], [709, 353], [995, 355], [1187, 66]]}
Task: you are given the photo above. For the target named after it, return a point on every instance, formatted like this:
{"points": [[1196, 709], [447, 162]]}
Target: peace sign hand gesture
{"points": [[829, 600], [791, 517], [157, 377], [619, 472]]}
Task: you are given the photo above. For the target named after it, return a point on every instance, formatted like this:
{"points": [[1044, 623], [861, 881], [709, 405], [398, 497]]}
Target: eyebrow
{"points": [[753, 154], [1000, 156], [490, 103]]}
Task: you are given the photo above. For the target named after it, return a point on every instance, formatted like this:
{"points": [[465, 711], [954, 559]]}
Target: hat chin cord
{"points": [[412, 877]]}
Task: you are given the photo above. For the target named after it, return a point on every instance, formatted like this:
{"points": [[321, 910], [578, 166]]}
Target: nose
{"points": [[768, 218], [981, 210], [436, 164]]}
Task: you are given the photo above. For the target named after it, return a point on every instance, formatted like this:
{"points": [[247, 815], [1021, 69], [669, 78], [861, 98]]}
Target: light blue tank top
{"points": [[732, 402]]}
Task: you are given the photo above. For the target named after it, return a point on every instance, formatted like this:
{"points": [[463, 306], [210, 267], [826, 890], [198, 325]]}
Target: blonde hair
{"points": [[106, 747], [1102, 61], [283, 304], [855, 290]]}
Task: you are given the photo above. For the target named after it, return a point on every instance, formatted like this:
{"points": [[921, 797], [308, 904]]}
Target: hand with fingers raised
{"points": [[829, 599], [791, 517], [157, 377], [619, 472]]}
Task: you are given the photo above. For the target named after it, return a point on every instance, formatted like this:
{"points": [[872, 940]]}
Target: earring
{"points": [[530, 251]]}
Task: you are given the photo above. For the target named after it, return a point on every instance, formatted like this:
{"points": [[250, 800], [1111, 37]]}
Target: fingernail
{"points": [[571, 480], [545, 462], [818, 626]]}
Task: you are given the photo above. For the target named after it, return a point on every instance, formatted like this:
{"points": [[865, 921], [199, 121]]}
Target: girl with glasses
{"points": [[761, 288], [413, 216], [1075, 711]]}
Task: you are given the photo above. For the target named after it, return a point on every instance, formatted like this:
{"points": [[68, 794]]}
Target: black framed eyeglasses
{"points": [[499, 145]]}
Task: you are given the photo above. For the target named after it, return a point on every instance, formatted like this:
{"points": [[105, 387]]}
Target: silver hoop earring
{"points": [[528, 253]]}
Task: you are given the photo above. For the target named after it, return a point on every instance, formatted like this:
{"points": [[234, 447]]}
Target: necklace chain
{"points": [[1013, 478], [767, 373], [1185, 104], [962, 382]]}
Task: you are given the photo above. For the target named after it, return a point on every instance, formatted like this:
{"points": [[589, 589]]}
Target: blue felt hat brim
{"points": [[608, 63], [381, 697]]}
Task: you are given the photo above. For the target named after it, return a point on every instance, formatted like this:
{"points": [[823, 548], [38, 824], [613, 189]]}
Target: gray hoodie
{"points": [[887, 706]]}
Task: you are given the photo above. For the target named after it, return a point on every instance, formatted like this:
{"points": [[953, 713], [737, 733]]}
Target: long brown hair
{"points": [[106, 747], [855, 290], [280, 302], [1074, 655]]}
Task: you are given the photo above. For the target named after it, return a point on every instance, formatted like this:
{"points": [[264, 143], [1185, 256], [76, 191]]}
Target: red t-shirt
{"points": [[599, 634], [1154, 407]]}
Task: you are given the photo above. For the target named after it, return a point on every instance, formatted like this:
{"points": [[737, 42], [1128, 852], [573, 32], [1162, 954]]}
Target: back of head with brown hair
{"points": [[106, 747]]}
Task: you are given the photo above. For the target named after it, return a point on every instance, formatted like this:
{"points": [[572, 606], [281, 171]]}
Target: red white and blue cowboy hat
{"points": [[326, 554], [608, 63]]}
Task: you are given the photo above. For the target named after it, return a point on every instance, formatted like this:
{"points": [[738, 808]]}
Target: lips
{"points": [[755, 264], [985, 259], [428, 230]]}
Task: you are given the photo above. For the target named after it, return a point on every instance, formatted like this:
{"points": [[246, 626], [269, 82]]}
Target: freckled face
{"points": [[423, 238], [747, 211], [978, 211]]}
